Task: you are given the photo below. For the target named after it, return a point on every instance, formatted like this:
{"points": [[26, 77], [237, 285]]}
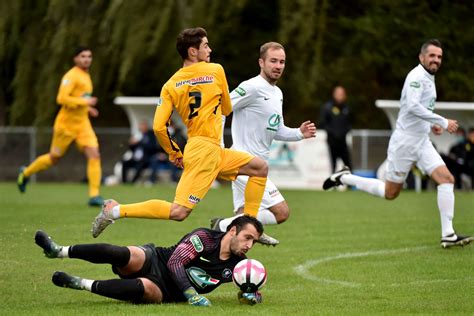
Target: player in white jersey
{"points": [[410, 144], [258, 120]]}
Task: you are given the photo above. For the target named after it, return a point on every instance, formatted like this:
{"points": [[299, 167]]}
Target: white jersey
{"points": [[258, 117], [417, 103]]}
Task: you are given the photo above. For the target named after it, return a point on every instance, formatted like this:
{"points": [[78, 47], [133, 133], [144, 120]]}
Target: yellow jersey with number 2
{"points": [[200, 95]]}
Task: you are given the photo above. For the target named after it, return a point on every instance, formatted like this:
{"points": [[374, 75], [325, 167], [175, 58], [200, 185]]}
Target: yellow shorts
{"points": [[64, 135], [205, 161]]}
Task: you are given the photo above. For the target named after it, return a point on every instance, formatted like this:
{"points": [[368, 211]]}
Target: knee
{"points": [[92, 152], [262, 170], [265, 170], [447, 178], [179, 216], [179, 213], [442, 175], [54, 158], [135, 261], [391, 195], [281, 212], [283, 216], [151, 292]]}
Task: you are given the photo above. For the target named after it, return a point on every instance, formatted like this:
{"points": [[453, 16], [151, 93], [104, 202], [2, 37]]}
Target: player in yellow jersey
{"points": [[72, 124], [199, 93]]}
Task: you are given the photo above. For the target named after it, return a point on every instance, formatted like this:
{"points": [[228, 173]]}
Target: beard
{"points": [[234, 249], [430, 70]]}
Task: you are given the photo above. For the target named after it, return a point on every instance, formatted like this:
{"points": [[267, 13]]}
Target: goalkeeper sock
{"points": [[253, 195], [158, 209], [94, 174], [101, 253], [120, 289], [41, 163], [86, 284], [372, 186]]}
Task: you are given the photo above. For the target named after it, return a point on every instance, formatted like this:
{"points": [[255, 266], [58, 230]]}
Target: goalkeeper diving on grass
{"points": [[199, 263]]}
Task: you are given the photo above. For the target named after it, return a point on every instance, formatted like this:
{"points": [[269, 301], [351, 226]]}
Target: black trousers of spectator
{"points": [[470, 171], [458, 169], [139, 166], [338, 149], [455, 168]]}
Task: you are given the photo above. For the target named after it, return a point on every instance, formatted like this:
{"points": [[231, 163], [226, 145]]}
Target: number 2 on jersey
{"points": [[193, 107]]}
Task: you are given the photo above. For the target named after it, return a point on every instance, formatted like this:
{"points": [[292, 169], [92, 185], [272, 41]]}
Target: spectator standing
{"points": [[469, 162], [457, 156], [335, 119]]}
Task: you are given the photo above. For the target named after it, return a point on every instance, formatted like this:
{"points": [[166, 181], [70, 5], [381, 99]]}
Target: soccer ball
{"points": [[249, 275]]}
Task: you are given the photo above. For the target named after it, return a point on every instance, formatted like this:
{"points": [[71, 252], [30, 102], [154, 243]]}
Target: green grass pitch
{"points": [[340, 253]]}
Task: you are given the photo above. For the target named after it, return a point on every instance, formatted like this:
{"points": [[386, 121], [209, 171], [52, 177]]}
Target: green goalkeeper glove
{"points": [[249, 298], [195, 299]]}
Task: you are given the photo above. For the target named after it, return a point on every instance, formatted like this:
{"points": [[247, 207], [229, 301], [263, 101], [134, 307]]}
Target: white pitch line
{"points": [[425, 282], [303, 269]]}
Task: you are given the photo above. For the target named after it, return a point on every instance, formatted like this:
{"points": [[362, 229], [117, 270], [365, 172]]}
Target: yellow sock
{"points": [[41, 163], [94, 173], [253, 195], [149, 209]]}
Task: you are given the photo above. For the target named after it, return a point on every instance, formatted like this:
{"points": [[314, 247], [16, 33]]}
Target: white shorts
{"points": [[404, 150], [271, 196]]}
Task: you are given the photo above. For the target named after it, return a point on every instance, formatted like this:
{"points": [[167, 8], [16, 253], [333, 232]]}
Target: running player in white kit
{"points": [[257, 121], [410, 144]]}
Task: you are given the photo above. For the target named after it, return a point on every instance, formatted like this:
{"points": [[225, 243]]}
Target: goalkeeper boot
{"points": [[455, 240], [62, 279], [104, 219], [22, 180], [335, 179], [50, 248], [249, 298], [215, 223], [267, 240]]}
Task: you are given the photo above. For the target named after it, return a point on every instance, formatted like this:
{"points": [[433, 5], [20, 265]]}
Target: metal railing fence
{"points": [[21, 145]]}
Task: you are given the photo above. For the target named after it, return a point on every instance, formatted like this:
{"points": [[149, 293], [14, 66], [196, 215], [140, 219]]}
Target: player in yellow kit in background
{"points": [[72, 124], [199, 93]]}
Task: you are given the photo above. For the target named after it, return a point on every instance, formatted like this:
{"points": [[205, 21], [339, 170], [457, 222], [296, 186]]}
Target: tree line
{"points": [[367, 46]]}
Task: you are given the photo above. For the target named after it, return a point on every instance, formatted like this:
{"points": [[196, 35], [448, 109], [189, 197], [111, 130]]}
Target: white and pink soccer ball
{"points": [[249, 275]]}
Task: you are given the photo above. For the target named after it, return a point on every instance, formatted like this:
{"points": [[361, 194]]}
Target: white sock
{"points": [[87, 284], [116, 211], [373, 186], [226, 222], [64, 252], [266, 217], [446, 208]]}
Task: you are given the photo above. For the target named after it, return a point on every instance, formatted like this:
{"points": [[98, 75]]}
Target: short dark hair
{"points": [[270, 45], [242, 221], [461, 130], [189, 38], [80, 49], [433, 41]]}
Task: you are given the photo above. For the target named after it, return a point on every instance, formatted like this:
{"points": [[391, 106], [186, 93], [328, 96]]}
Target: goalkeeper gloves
{"points": [[249, 298], [195, 299]]}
